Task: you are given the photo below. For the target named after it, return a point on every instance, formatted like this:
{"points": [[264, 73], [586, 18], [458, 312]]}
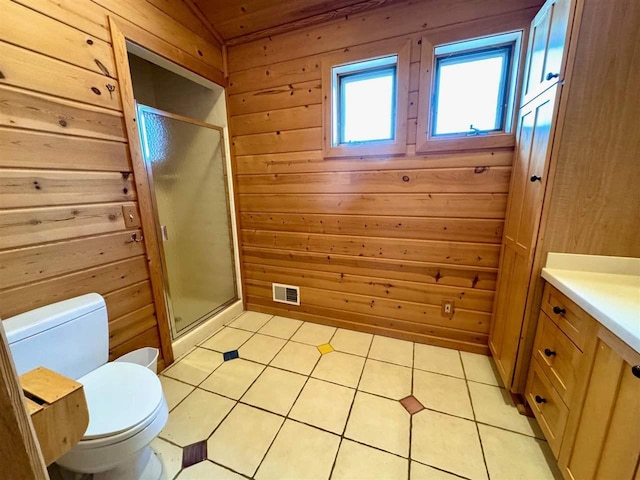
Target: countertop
{"points": [[608, 288]]}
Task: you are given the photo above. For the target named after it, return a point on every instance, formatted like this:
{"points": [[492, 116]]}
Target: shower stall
{"points": [[183, 144]]}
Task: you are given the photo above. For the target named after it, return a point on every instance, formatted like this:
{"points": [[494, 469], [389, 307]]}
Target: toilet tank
{"points": [[69, 337]]}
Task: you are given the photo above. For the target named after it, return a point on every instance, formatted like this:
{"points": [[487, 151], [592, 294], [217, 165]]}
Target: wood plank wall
{"points": [[370, 250], [66, 181]]}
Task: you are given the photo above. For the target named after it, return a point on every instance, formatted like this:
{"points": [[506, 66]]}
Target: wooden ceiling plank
{"points": [[307, 21], [205, 21]]}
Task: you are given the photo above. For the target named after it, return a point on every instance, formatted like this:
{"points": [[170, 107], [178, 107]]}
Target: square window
{"points": [[366, 100], [471, 92], [366, 105], [467, 93]]}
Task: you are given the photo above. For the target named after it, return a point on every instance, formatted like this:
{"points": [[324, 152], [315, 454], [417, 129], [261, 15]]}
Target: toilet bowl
{"points": [[127, 408]]}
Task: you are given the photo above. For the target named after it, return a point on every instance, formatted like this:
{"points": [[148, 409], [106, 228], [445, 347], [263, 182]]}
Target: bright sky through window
{"points": [[468, 93], [368, 106]]}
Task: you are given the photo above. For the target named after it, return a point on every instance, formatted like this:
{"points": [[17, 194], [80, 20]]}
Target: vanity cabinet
{"points": [[584, 389], [603, 437], [557, 364]]}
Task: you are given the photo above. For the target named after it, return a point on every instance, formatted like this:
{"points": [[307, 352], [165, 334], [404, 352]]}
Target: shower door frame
{"points": [[158, 226], [121, 33]]}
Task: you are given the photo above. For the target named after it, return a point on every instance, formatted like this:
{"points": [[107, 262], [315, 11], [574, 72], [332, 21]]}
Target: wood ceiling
{"points": [[240, 21]]}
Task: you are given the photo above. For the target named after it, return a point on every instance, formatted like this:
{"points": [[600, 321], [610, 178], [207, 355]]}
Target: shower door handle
{"points": [[163, 231]]}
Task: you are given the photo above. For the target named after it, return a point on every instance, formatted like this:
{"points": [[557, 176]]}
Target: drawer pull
{"points": [[536, 178], [549, 353], [551, 76], [540, 399], [559, 311], [636, 371]]}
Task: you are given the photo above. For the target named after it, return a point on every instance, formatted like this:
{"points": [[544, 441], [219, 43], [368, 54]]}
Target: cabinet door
{"points": [[606, 444], [529, 174], [511, 298], [528, 182], [545, 52]]}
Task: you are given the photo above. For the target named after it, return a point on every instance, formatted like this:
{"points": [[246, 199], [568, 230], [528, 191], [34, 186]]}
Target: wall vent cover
{"points": [[286, 294]]}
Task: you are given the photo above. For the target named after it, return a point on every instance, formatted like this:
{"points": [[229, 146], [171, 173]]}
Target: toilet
{"points": [[127, 408]]}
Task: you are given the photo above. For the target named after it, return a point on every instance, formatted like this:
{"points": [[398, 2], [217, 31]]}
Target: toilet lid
{"points": [[119, 396]]}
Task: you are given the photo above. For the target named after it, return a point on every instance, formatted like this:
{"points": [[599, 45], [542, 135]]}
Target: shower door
{"points": [[186, 168]]}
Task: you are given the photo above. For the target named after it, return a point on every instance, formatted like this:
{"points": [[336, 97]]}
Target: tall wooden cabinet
{"points": [[542, 87]]}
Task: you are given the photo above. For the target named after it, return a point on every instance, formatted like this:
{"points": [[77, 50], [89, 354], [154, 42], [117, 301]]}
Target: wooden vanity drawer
{"points": [[558, 357], [571, 319], [547, 406]]}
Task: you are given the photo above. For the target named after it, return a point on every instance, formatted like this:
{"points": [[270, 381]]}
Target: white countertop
{"points": [[608, 288]]}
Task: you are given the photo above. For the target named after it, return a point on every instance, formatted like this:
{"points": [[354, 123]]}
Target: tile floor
{"points": [[307, 401]]}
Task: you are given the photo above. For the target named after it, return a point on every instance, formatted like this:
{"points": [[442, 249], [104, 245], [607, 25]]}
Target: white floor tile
{"points": [[424, 472], [207, 470], [194, 367], [386, 379], [170, 455], [227, 339], [438, 360], [275, 390], [443, 393], [196, 417], [299, 452], [233, 378], [261, 348], [313, 334], [341, 368], [356, 461], [324, 405], [348, 341], [512, 455], [480, 368], [392, 350], [448, 443], [281, 327], [243, 439], [174, 391], [493, 405], [250, 321], [379, 422], [297, 357]]}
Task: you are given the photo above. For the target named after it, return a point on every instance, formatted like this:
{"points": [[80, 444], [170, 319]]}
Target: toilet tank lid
{"points": [[44, 318]]}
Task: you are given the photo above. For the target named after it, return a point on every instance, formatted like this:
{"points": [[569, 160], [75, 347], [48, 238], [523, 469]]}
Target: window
{"points": [[471, 92], [468, 102], [366, 100]]}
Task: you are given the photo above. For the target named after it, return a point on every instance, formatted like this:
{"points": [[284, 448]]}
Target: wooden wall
{"points": [[66, 181], [370, 250]]}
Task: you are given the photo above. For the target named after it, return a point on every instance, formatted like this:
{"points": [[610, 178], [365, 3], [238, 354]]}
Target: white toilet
{"points": [[127, 408]]}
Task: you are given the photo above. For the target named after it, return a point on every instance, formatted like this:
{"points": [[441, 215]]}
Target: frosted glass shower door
{"points": [[186, 168]]}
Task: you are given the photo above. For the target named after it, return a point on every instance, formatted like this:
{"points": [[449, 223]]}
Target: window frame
{"points": [[426, 140], [506, 52], [346, 62], [339, 113]]}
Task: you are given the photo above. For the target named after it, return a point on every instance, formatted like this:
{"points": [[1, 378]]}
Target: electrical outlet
{"points": [[447, 309]]}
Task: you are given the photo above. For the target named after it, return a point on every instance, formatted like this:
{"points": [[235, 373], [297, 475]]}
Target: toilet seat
{"points": [[127, 410], [123, 398]]}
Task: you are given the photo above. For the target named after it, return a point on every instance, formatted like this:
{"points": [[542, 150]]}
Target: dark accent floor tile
{"points": [[194, 453], [412, 404], [230, 355]]}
